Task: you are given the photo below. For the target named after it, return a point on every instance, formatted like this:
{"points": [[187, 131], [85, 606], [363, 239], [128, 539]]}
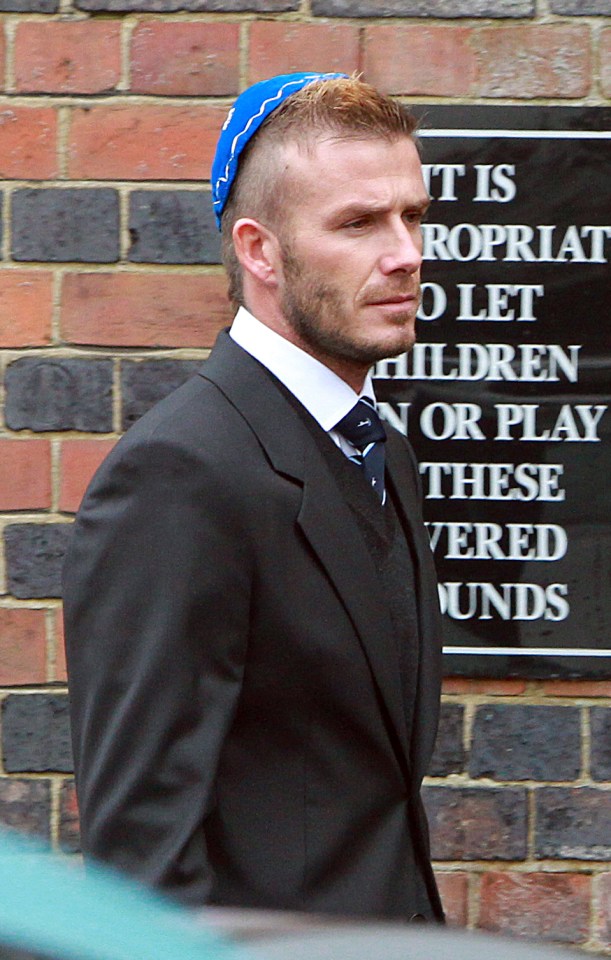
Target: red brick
{"points": [[422, 60], [144, 142], [28, 143], [23, 647], [501, 688], [69, 839], [79, 459], [544, 906], [78, 56], [454, 891], [501, 61], [533, 61], [278, 47], [605, 62], [147, 310], [26, 304], [603, 908], [61, 673], [577, 688], [2, 59], [190, 59], [25, 474]]}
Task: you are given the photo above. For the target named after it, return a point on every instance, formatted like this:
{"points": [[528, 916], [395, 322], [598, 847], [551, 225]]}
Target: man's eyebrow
{"points": [[359, 208]]}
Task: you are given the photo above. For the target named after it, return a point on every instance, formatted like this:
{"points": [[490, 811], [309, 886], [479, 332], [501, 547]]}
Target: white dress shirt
{"points": [[325, 396]]}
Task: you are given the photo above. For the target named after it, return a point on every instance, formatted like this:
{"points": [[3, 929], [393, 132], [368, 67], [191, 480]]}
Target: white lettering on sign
{"points": [[397, 416], [495, 541], [515, 243], [504, 601], [576, 424], [524, 482], [503, 300], [494, 182], [524, 362], [451, 421], [440, 179]]}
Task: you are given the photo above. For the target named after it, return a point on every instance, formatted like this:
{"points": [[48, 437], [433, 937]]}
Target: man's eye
{"points": [[357, 224], [414, 216]]}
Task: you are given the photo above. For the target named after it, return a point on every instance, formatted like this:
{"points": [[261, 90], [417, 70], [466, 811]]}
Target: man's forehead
{"points": [[311, 143], [352, 164]]}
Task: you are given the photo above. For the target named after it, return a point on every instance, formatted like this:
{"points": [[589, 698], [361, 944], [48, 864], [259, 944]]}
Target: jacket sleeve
{"points": [[156, 598]]}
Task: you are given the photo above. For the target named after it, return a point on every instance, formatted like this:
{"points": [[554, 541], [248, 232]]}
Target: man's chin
{"points": [[393, 346], [368, 354]]}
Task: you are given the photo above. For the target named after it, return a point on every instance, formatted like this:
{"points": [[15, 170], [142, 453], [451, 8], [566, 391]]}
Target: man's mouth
{"points": [[396, 298], [393, 299]]}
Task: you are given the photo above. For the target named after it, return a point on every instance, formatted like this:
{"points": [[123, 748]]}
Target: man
{"points": [[251, 611]]}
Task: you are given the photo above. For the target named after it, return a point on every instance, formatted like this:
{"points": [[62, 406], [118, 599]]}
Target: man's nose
{"points": [[403, 250]]}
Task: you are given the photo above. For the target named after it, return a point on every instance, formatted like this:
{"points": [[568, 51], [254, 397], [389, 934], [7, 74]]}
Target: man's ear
{"points": [[258, 250]]}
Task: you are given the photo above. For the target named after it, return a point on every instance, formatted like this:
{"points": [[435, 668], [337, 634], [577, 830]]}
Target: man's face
{"points": [[352, 249]]}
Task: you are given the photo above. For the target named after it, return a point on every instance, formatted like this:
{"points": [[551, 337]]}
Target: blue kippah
{"points": [[244, 119]]}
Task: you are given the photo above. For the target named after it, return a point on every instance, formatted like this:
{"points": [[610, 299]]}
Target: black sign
{"points": [[505, 397]]}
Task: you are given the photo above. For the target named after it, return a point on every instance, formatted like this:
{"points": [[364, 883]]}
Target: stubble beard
{"points": [[315, 311]]}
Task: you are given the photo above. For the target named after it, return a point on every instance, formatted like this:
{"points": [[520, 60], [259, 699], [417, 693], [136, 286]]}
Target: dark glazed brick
{"points": [[526, 743], [34, 557], [36, 734], [25, 805], [173, 227], [48, 394], [29, 6], [423, 8], [475, 823], [69, 836], [449, 755], [202, 6], [581, 8], [63, 225], [573, 824], [600, 728], [144, 384]]}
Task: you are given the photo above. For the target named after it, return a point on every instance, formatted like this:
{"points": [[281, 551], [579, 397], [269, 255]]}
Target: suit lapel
{"points": [[324, 518], [403, 476], [330, 528]]}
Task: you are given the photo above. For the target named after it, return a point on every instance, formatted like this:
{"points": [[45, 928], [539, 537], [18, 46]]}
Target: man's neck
{"points": [[326, 395], [351, 372]]}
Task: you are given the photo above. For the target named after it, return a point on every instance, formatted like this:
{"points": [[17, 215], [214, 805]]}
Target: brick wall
{"points": [[110, 295]]}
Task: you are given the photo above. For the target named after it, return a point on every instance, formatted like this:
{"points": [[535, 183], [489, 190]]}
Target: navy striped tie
{"points": [[363, 428]]}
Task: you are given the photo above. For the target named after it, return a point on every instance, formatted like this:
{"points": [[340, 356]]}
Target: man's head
{"points": [[336, 148]]}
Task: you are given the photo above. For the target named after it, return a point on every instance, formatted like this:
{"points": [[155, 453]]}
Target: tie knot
{"points": [[361, 426]]}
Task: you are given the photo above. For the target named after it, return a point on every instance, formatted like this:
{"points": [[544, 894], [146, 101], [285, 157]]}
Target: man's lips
{"points": [[397, 298]]}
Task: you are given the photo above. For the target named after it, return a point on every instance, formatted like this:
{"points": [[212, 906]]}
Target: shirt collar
{"points": [[325, 396]]}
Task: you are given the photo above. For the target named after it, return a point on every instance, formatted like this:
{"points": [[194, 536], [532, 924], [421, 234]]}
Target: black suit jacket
{"points": [[238, 724]]}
